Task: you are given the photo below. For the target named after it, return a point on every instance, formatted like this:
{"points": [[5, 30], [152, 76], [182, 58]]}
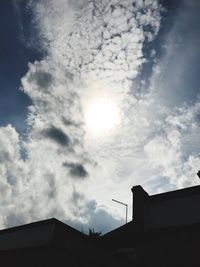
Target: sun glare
{"points": [[101, 116]]}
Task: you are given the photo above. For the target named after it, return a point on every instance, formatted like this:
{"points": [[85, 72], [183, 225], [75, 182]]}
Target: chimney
{"points": [[140, 198]]}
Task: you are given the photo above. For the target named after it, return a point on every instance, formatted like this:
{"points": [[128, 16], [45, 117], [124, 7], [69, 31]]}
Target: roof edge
{"points": [[30, 225], [183, 192]]}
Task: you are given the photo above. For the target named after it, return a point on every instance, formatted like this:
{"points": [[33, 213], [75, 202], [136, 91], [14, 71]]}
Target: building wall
{"points": [[171, 212], [29, 237], [170, 248]]}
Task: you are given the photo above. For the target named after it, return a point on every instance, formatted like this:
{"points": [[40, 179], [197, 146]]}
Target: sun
{"points": [[101, 116]]}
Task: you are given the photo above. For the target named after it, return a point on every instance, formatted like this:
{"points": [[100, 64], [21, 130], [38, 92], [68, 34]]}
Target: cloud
{"points": [[175, 77], [12, 173], [57, 135], [95, 216], [173, 103], [76, 170], [42, 79], [94, 50]]}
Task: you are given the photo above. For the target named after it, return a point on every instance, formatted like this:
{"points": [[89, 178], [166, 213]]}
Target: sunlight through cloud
{"points": [[102, 116]]}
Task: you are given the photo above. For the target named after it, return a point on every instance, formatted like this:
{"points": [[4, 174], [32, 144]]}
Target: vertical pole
{"points": [[124, 205], [126, 213]]}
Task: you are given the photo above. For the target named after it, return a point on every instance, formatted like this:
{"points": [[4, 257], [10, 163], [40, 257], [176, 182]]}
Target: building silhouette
{"points": [[165, 231]]}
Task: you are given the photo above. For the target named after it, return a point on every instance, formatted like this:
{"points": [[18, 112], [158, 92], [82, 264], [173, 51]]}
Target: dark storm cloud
{"points": [[76, 169], [57, 135]]}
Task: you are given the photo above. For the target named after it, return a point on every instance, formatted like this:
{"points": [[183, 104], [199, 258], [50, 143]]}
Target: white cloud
{"points": [[95, 55], [94, 49]]}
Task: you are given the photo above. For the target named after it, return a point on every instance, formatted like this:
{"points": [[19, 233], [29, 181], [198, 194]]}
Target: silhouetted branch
{"points": [[93, 234]]}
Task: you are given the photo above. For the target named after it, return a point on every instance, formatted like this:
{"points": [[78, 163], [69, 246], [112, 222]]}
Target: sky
{"points": [[96, 97]]}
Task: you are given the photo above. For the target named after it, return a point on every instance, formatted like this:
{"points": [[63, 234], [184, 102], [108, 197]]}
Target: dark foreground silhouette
{"points": [[165, 231]]}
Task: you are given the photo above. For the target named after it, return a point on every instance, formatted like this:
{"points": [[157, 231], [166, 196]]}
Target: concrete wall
{"points": [[170, 212]]}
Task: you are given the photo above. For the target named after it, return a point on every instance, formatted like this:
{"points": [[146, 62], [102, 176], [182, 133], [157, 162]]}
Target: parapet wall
{"points": [[180, 207]]}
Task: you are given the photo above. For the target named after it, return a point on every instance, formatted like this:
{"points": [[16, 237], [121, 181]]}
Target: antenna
{"points": [[124, 204]]}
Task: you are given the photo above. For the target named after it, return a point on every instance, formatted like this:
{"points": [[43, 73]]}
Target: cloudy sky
{"points": [[96, 97]]}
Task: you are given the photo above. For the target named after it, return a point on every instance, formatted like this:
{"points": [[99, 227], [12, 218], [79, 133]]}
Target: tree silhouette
{"points": [[93, 234]]}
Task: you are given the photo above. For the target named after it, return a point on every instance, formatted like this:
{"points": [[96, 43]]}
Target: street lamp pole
{"points": [[124, 204]]}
